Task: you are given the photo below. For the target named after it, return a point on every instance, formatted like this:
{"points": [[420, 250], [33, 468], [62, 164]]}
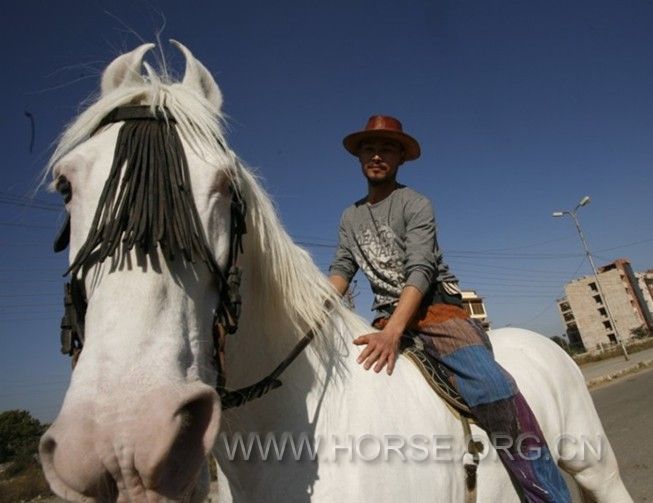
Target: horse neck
{"points": [[263, 341]]}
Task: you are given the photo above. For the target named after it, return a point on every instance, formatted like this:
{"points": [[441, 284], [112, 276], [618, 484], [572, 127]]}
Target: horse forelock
{"points": [[197, 121]]}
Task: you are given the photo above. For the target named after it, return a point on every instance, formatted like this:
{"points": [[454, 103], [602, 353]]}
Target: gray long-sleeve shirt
{"points": [[394, 243]]}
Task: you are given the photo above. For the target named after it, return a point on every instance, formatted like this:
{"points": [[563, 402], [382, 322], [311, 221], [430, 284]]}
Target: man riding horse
{"points": [[391, 235]]}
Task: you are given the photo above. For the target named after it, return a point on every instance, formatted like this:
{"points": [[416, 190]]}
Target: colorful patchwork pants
{"points": [[462, 347]]}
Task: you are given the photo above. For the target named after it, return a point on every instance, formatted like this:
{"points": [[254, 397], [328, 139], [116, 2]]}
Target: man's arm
{"points": [[339, 283], [344, 264], [383, 347]]}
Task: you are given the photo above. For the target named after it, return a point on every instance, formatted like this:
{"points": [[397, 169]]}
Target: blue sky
{"points": [[521, 108]]}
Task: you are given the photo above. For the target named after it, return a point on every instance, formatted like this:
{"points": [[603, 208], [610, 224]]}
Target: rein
{"points": [[147, 202]]}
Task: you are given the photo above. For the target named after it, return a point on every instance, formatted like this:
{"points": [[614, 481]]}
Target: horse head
{"points": [[149, 198]]}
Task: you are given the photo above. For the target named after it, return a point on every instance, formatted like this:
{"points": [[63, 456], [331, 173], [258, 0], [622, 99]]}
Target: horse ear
{"points": [[124, 70], [198, 77]]}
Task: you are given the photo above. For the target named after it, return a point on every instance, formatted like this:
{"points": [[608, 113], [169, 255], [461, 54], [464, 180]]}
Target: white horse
{"points": [[140, 414]]}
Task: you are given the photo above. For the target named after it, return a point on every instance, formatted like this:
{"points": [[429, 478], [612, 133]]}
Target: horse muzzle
{"points": [[140, 449]]}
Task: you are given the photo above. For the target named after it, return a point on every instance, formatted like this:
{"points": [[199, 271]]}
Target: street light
{"points": [[583, 202]]}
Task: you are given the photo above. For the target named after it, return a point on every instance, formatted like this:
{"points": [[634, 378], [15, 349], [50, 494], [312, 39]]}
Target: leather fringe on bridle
{"points": [[147, 202]]}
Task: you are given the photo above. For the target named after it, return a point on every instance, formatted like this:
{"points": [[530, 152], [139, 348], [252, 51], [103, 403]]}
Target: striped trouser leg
{"points": [[462, 346]]}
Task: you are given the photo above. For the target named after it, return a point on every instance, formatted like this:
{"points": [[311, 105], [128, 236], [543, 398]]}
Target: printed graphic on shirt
{"points": [[378, 255]]}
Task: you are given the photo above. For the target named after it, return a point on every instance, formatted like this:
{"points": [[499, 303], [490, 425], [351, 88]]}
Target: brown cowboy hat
{"points": [[385, 127]]}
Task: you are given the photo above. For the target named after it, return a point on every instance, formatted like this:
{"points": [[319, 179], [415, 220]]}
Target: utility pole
{"points": [[584, 201]]}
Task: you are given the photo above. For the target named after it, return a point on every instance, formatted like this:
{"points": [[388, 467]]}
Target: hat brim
{"points": [[411, 147]]}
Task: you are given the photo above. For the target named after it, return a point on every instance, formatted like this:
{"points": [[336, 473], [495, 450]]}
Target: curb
{"points": [[615, 375]]}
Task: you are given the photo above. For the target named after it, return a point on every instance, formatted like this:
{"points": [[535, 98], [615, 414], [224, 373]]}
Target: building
{"points": [[584, 310], [645, 283], [475, 307], [573, 335]]}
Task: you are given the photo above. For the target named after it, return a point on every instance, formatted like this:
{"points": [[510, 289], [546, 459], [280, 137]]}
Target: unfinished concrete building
{"points": [[584, 310], [475, 307]]}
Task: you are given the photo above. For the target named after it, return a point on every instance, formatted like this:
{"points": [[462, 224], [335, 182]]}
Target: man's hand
{"points": [[382, 348]]}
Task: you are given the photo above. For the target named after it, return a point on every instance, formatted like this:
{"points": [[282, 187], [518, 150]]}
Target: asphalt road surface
{"points": [[626, 411], [604, 367]]}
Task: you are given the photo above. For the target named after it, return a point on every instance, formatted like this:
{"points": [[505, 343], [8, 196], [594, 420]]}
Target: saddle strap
{"points": [[459, 409], [471, 460]]}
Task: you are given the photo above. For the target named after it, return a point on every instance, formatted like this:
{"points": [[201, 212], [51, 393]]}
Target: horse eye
{"points": [[64, 188]]}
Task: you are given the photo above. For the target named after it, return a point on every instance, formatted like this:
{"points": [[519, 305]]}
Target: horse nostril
{"points": [[198, 409], [171, 459], [198, 418], [47, 445], [72, 467]]}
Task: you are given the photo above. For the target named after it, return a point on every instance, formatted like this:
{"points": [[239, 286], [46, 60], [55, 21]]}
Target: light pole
{"points": [[584, 201]]}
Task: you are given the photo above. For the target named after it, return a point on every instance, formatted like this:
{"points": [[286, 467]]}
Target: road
{"points": [[598, 369], [625, 408]]}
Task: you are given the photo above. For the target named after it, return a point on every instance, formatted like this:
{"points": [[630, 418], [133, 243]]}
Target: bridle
{"points": [[171, 221], [165, 217]]}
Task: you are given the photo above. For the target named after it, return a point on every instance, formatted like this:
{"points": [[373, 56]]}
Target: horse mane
{"points": [[284, 293], [284, 287]]}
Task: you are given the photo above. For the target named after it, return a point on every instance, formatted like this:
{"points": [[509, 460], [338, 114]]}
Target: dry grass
{"points": [[26, 485], [633, 369], [632, 347]]}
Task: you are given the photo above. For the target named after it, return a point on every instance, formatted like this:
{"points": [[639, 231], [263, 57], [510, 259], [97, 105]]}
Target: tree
{"points": [[560, 341], [641, 332], [19, 435]]}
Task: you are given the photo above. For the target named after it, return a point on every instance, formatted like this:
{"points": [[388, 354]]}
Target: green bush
{"points": [[641, 332], [19, 435]]}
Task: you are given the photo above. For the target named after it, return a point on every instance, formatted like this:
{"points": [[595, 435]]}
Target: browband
{"points": [[139, 112]]}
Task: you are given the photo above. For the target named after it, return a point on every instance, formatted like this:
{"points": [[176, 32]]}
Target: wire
{"points": [[518, 278], [315, 245], [489, 266], [52, 318], [31, 226], [512, 256], [509, 285], [34, 206], [16, 306], [28, 269], [626, 245], [16, 295], [555, 301], [470, 254], [518, 295], [28, 199], [521, 247]]}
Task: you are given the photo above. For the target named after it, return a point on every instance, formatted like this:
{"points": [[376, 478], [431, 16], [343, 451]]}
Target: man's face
{"points": [[380, 158]]}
